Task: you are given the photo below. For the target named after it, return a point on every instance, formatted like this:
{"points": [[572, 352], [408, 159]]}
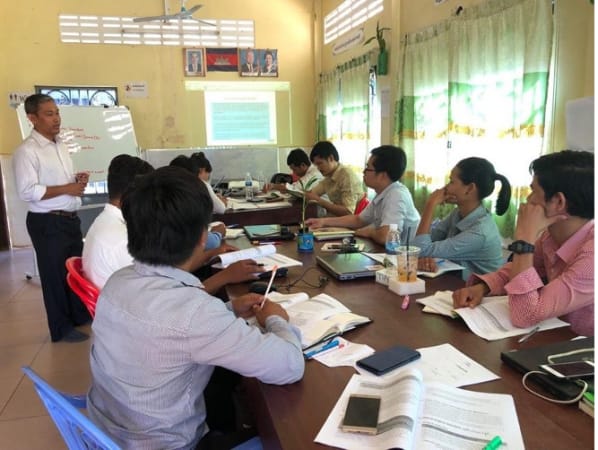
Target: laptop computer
{"points": [[349, 266], [272, 232], [526, 360]]}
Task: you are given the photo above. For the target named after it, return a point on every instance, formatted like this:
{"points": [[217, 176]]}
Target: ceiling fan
{"points": [[183, 14]]}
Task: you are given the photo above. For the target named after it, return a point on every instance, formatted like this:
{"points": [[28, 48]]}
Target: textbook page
{"points": [[262, 254], [320, 317], [490, 320], [414, 416], [442, 265]]}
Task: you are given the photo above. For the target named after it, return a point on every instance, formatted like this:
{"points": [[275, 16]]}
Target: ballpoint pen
{"points": [[274, 269], [529, 335], [328, 346]]}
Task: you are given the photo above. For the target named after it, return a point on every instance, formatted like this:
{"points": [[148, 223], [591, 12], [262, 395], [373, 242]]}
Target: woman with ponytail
{"points": [[468, 235]]}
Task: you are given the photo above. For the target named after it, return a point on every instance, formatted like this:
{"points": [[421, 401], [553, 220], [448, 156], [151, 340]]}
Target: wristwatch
{"points": [[521, 247]]}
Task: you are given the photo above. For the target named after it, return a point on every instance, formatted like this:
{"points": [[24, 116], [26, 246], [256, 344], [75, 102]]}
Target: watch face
{"points": [[520, 247]]}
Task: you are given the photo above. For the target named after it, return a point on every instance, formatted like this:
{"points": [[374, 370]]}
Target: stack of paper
{"points": [[262, 254]]}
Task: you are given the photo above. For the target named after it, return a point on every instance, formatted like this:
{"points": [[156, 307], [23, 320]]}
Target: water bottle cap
{"points": [[393, 227]]}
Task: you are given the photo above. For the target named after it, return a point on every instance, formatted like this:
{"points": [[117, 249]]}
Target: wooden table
{"points": [[290, 215], [289, 417]]}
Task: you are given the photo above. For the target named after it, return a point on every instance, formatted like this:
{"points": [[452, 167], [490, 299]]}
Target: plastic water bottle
{"points": [[393, 242], [248, 187]]}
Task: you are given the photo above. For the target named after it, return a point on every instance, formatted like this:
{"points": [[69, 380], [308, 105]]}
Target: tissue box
{"points": [[406, 287], [383, 276]]}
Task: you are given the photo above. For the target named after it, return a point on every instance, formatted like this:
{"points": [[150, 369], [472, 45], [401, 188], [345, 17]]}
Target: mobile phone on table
{"points": [[361, 415], [386, 360], [573, 369]]}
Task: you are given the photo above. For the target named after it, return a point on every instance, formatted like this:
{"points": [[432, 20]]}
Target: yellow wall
{"points": [[171, 116]]}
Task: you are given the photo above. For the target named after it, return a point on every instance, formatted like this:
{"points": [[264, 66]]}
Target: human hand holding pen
{"points": [[470, 296], [268, 309]]}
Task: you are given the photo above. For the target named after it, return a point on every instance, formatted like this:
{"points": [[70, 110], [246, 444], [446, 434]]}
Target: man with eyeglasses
{"points": [[393, 202]]}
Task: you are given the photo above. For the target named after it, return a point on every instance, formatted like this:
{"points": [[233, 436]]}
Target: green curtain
{"points": [[476, 85]]}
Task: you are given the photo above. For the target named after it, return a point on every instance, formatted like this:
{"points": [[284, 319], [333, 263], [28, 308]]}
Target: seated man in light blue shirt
{"points": [[393, 203], [158, 334]]}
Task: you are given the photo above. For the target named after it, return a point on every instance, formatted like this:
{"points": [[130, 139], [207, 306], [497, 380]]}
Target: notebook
{"points": [[529, 359], [349, 266], [268, 233], [328, 233]]}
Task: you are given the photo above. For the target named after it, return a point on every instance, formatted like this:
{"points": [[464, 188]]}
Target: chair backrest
{"points": [[361, 204], [281, 178], [76, 429], [85, 289]]}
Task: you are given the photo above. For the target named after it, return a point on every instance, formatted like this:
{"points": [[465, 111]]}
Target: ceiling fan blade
{"points": [[193, 9], [153, 18]]}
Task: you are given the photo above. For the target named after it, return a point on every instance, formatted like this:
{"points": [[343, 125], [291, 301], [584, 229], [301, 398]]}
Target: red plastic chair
{"points": [[361, 204], [85, 289]]}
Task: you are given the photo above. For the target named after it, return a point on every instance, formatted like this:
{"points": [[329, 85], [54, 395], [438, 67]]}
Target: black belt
{"points": [[60, 212]]}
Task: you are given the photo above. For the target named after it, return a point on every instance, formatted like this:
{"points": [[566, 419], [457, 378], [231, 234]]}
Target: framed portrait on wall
{"points": [[268, 62], [194, 62], [249, 62]]}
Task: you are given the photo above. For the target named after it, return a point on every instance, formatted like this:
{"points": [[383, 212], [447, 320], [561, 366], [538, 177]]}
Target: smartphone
{"points": [[361, 415], [386, 360], [281, 272], [573, 369]]}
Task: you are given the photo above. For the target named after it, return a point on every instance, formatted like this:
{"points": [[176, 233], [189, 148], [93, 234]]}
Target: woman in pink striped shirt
{"points": [[555, 276]]}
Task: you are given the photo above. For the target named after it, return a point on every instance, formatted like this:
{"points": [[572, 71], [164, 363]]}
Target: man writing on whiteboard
{"points": [[45, 179]]}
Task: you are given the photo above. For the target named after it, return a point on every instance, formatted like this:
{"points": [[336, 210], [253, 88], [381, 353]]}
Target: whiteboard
{"points": [[93, 134]]}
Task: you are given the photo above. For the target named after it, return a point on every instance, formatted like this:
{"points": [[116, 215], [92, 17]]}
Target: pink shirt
{"points": [[569, 289]]}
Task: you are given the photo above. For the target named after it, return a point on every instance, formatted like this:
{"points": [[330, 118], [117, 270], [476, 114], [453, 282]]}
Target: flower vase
{"points": [[305, 241], [383, 63]]}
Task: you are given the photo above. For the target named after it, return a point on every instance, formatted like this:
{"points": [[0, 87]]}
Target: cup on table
{"points": [[407, 263]]}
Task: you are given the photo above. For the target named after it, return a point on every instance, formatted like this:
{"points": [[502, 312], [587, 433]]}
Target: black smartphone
{"points": [[280, 272], [573, 369], [361, 415], [386, 360]]}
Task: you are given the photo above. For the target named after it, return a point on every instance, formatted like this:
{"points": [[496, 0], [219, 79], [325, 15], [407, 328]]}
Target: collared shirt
{"points": [[219, 206], [39, 163], [559, 284], [105, 248], [157, 337], [312, 172], [343, 187], [472, 241]]}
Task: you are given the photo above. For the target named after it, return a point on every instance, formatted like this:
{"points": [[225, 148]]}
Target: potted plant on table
{"points": [[305, 238], [382, 68]]}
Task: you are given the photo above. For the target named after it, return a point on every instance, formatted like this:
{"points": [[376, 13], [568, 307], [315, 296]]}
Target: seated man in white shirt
{"points": [[105, 249], [301, 166], [393, 203]]}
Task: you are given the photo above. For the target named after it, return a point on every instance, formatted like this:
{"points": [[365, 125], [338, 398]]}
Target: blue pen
{"points": [[328, 346]]}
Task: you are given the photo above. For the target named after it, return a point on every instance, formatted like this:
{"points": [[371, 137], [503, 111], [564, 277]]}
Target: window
{"points": [[187, 33], [348, 15], [81, 95]]}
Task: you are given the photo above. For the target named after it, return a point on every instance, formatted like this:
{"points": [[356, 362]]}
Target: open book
{"points": [[490, 320], [319, 318], [262, 254], [414, 416]]}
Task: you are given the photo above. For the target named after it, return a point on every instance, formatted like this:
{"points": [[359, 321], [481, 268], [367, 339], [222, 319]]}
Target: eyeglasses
{"points": [[369, 170]]}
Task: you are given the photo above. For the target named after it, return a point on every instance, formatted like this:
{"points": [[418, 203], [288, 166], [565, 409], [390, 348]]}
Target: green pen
{"points": [[493, 444]]}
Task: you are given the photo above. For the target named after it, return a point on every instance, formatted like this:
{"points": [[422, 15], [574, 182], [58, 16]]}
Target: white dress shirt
{"points": [[39, 163], [312, 172], [105, 249], [219, 206]]}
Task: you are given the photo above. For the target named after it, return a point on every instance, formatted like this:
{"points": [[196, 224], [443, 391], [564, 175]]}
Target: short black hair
{"points": [[298, 157], [187, 163], [166, 214], [572, 173], [480, 172], [323, 149], [202, 162], [33, 101], [122, 171], [390, 159]]}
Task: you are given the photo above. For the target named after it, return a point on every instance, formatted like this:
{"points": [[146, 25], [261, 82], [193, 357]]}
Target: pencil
{"points": [[274, 269]]}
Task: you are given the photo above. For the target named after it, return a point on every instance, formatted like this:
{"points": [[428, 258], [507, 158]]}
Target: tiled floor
{"points": [[25, 340]]}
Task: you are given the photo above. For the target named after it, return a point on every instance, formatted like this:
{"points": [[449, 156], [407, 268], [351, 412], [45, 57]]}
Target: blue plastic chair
{"points": [[77, 430]]}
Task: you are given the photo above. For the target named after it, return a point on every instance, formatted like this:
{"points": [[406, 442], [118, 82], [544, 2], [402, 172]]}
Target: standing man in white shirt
{"points": [[105, 250], [45, 179]]}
